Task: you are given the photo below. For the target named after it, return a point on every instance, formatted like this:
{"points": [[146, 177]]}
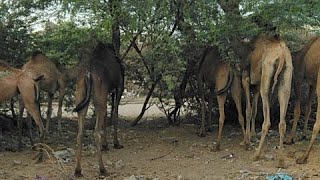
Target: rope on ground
{"points": [[59, 166]]}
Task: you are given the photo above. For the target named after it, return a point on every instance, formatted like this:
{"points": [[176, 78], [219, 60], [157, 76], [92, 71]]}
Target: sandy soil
{"points": [[153, 150]]}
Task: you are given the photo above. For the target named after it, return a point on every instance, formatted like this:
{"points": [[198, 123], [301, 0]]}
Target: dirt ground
{"points": [[153, 150]]}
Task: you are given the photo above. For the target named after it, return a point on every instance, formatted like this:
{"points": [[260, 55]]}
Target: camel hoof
{"points": [[216, 148], [105, 148], [256, 157], [202, 134], [289, 141], [118, 146], [77, 173], [281, 164], [103, 171], [301, 160]]}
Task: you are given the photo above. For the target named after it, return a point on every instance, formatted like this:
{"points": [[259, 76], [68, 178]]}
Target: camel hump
{"points": [[36, 53]]}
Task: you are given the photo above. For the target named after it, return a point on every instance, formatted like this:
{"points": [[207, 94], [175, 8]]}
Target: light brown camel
{"points": [[301, 74], [219, 76], [311, 66], [13, 82], [102, 73], [53, 80], [270, 62]]}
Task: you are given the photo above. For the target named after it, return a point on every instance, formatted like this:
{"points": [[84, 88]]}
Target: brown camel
{"points": [[219, 76], [102, 73], [311, 62], [300, 74], [53, 81], [270, 61], [13, 82]]}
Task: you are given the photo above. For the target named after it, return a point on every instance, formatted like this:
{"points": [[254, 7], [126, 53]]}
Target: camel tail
{"points": [[279, 69], [230, 79], [37, 92], [86, 100]]}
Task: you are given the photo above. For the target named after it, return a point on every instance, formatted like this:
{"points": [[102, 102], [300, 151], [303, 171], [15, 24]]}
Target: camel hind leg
{"points": [[80, 95], [236, 95], [283, 97], [267, 72], [221, 100], [115, 118], [29, 91], [100, 96]]}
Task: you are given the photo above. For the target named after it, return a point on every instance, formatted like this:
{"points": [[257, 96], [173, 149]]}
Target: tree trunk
{"points": [[115, 29], [144, 107]]}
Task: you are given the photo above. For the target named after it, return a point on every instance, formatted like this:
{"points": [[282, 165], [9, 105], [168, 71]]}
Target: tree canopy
{"points": [[160, 42]]}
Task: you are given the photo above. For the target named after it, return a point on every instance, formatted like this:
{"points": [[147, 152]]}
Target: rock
{"points": [[179, 177], [119, 164], [16, 162], [64, 155], [133, 177], [269, 157], [109, 163]]}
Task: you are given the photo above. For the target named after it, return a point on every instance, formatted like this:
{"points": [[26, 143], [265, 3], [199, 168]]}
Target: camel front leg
{"points": [[303, 159], [62, 93], [254, 111], [246, 88], [202, 132], [210, 107], [49, 112], [308, 111]]}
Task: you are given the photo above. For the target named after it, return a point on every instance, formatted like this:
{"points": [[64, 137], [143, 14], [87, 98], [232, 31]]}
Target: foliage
{"points": [[170, 34]]}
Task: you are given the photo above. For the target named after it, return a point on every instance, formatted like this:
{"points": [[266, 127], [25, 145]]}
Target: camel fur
{"points": [[311, 62], [219, 77], [301, 74], [13, 82], [101, 73], [270, 69], [39, 64]]}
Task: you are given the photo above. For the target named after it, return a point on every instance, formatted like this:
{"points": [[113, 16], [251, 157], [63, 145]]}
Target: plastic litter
{"points": [[279, 176]]}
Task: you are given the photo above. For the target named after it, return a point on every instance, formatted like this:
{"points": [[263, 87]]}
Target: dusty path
{"points": [[154, 150]]}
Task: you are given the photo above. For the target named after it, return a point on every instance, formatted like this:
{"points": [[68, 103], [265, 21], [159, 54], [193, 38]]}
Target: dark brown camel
{"points": [[13, 82], [219, 76], [39, 64], [301, 74], [102, 73], [270, 61], [311, 62]]}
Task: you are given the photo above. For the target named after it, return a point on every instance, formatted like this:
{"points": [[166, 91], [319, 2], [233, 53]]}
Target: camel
{"points": [[311, 64], [300, 64], [53, 81], [219, 76], [101, 74], [270, 61], [13, 82]]}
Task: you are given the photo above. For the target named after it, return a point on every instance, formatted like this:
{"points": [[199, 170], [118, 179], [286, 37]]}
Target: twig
{"points": [[169, 152]]}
